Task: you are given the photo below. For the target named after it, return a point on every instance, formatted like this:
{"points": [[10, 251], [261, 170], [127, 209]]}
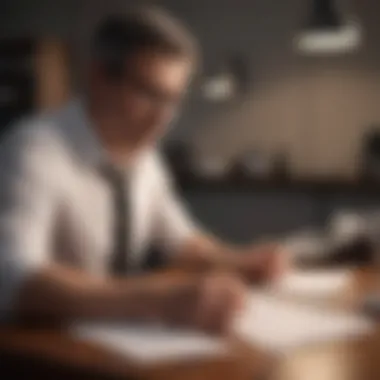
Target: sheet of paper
{"points": [[266, 322], [279, 326], [315, 283], [152, 344]]}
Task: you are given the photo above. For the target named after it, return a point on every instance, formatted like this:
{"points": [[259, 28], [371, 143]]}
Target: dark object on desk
{"points": [[357, 252]]}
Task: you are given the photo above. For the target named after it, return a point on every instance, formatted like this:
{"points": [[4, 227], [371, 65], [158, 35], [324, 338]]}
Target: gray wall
{"points": [[315, 109]]}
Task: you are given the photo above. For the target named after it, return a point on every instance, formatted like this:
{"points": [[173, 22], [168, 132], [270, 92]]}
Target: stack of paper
{"points": [[315, 284], [279, 326], [151, 344], [267, 322]]}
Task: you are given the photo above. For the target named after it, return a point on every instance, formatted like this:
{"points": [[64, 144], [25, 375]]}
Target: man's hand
{"points": [[255, 263], [209, 304], [61, 294], [265, 263]]}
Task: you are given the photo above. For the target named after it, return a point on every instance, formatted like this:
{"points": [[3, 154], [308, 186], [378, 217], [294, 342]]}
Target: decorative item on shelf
{"points": [[188, 164], [281, 166], [228, 82], [212, 166], [370, 168], [253, 165], [328, 32]]}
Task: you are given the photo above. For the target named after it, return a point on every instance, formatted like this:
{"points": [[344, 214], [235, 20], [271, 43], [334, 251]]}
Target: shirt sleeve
{"points": [[26, 209], [173, 224]]}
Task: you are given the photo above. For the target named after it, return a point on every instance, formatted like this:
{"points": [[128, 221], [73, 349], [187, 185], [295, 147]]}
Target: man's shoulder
{"points": [[45, 131], [35, 138], [35, 129]]}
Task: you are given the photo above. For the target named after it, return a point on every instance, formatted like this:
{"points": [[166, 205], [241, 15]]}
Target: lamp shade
{"points": [[328, 32]]}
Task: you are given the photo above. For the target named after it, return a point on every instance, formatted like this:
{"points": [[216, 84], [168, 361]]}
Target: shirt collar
{"points": [[82, 133]]}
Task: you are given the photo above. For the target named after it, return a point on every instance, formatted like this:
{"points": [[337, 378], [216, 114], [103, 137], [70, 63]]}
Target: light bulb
{"points": [[344, 39]]}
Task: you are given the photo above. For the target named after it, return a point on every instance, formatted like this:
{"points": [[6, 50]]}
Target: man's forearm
{"points": [[254, 263], [62, 294]]}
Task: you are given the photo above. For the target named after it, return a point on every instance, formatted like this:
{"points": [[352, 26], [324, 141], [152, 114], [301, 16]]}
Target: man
{"points": [[84, 194]]}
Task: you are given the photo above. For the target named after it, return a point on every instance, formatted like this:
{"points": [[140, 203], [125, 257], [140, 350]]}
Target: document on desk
{"points": [[151, 344], [267, 322], [280, 326]]}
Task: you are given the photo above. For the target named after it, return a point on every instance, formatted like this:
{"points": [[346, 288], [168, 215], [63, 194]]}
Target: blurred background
{"points": [[280, 133]]}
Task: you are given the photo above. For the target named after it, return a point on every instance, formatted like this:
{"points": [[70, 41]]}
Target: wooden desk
{"points": [[348, 360], [52, 354]]}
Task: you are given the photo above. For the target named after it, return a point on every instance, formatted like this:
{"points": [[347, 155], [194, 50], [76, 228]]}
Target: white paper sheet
{"points": [[313, 284], [267, 322], [280, 326], [152, 344]]}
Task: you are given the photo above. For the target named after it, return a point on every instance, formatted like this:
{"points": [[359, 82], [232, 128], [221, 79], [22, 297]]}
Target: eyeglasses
{"points": [[152, 94]]}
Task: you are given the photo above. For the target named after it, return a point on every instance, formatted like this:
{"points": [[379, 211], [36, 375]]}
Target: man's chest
{"points": [[86, 215]]}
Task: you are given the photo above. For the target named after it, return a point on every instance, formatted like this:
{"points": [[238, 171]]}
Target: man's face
{"points": [[148, 97]]}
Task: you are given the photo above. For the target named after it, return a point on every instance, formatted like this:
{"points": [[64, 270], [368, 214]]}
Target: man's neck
{"points": [[103, 123]]}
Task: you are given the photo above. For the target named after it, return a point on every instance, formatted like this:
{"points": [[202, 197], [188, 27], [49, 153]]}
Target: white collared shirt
{"points": [[56, 207]]}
